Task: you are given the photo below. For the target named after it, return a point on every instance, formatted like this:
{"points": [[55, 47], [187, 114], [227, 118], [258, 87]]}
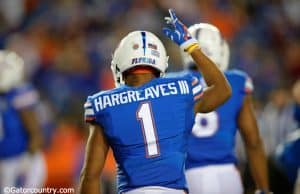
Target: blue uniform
{"points": [[147, 129], [13, 135], [288, 155], [212, 140], [297, 114]]}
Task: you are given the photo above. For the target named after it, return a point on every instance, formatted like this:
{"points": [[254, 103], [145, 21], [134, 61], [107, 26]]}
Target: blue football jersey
{"points": [[13, 135], [147, 129], [212, 140], [288, 155]]}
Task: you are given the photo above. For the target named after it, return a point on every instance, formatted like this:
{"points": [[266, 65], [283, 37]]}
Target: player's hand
{"points": [[179, 33]]}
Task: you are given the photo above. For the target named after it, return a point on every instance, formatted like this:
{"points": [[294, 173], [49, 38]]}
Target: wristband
{"points": [[186, 46], [192, 48]]}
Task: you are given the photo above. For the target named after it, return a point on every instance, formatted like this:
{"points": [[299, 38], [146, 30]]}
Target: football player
{"points": [[21, 163], [147, 119], [211, 162]]}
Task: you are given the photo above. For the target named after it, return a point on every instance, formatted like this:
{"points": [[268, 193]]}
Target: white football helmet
{"points": [[116, 74], [225, 56], [11, 70], [138, 48], [211, 43]]}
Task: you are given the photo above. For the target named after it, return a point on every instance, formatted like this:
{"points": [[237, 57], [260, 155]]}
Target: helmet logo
{"points": [[155, 53], [135, 46], [143, 60], [152, 46]]}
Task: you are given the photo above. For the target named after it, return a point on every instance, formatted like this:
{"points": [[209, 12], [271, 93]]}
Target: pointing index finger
{"points": [[172, 15]]}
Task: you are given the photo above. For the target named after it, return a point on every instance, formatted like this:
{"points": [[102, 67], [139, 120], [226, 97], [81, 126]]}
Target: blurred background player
{"points": [[296, 96], [21, 163], [211, 162], [288, 152], [288, 160], [146, 120]]}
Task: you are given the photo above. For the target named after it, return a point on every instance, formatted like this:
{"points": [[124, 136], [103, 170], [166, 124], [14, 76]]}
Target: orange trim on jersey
{"points": [[198, 96], [195, 81]]}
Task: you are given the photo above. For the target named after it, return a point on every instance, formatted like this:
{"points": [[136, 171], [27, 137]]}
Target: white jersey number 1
{"points": [[145, 116]]}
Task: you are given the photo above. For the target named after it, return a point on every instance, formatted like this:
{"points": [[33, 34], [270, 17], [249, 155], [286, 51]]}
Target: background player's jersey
{"points": [[13, 135], [147, 128], [288, 155], [212, 140]]}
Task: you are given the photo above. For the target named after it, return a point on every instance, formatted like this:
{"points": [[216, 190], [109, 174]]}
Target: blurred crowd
{"points": [[67, 47]]}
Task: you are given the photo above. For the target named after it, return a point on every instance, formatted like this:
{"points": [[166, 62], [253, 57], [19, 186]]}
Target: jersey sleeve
{"points": [[89, 113], [197, 88], [248, 86], [240, 80], [25, 97]]}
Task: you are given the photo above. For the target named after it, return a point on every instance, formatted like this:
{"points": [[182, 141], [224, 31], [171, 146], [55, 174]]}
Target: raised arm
{"points": [[96, 152], [218, 89]]}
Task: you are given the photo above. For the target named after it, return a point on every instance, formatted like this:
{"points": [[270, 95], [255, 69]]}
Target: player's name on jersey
{"points": [[173, 88]]}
